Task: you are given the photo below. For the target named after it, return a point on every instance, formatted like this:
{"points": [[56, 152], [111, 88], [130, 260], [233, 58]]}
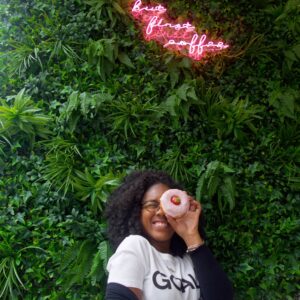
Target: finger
{"points": [[196, 207], [171, 220], [194, 204], [191, 199]]}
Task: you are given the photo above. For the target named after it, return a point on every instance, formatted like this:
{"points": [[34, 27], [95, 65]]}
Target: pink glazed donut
{"points": [[175, 203]]}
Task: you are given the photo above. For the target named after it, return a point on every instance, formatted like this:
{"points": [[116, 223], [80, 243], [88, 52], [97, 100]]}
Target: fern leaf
{"points": [[69, 256]]}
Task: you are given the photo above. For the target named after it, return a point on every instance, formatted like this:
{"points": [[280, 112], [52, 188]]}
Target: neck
{"points": [[163, 247]]}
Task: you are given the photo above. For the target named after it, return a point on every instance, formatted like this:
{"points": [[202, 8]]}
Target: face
{"points": [[155, 225]]}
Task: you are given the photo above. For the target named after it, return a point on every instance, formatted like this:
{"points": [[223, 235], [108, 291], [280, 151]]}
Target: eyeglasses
{"points": [[151, 206]]}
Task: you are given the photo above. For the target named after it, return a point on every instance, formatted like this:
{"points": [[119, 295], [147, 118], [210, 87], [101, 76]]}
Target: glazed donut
{"points": [[175, 203]]}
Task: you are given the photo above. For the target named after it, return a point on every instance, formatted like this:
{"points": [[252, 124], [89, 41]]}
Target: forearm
{"points": [[214, 283]]}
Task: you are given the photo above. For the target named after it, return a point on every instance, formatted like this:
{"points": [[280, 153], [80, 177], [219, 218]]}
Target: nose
{"points": [[159, 211]]}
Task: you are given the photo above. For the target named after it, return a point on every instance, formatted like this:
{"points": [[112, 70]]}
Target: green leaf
{"points": [[124, 59]]}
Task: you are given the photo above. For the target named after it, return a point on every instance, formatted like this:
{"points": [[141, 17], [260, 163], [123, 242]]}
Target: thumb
{"points": [[171, 220]]}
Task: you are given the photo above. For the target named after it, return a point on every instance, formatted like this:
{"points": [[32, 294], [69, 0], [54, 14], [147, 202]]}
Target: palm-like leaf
{"points": [[84, 261], [9, 278], [59, 47], [84, 104], [100, 260], [77, 262], [128, 115], [179, 102], [10, 254], [233, 118], [23, 117], [23, 55], [103, 55], [61, 163], [94, 189], [216, 179], [104, 9], [173, 162]]}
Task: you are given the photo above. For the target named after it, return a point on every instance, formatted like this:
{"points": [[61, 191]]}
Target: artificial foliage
{"points": [[85, 100]]}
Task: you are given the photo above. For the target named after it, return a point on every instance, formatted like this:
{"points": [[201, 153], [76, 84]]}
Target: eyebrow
{"points": [[151, 201]]}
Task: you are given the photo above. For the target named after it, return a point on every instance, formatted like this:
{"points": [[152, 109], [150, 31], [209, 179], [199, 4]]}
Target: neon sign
{"points": [[182, 38]]}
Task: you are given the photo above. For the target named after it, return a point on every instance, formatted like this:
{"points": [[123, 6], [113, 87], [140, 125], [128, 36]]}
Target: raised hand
{"points": [[187, 226]]}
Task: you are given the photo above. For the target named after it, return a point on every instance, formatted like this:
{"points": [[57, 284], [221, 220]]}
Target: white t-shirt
{"points": [[160, 276]]}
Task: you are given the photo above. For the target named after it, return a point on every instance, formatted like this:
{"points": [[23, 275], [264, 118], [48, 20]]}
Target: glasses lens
{"points": [[151, 205]]}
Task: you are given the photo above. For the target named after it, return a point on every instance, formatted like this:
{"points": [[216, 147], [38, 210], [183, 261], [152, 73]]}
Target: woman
{"points": [[157, 256]]}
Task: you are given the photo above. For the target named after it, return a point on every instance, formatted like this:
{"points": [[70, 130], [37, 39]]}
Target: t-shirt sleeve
{"points": [[128, 265]]}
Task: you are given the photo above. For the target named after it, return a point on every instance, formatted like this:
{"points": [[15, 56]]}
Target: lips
{"points": [[160, 224]]}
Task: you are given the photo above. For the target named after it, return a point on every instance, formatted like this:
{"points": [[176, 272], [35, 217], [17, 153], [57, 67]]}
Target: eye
{"points": [[151, 204]]}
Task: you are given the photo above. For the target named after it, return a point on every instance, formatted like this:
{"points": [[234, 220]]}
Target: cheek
{"points": [[144, 219]]}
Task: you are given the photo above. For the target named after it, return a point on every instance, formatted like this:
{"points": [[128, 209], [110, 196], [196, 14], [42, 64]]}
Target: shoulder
{"points": [[135, 238], [130, 262], [134, 242]]}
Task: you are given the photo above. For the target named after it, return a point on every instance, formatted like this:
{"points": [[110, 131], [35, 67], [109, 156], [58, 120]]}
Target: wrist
{"points": [[193, 240], [194, 247]]}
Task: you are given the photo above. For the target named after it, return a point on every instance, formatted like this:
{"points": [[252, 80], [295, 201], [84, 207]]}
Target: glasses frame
{"points": [[154, 208]]}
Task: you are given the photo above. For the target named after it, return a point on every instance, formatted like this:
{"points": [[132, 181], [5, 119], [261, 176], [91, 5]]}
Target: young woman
{"points": [[157, 256]]}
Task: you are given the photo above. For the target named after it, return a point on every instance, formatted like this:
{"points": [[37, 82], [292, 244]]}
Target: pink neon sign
{"points": [[175, 37]]}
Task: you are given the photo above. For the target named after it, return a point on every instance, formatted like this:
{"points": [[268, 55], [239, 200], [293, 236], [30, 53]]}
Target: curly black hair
{"points": [[123, 208]]}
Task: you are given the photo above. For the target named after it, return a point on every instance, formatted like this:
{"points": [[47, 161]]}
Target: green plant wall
{"points": [[85, 100]]}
